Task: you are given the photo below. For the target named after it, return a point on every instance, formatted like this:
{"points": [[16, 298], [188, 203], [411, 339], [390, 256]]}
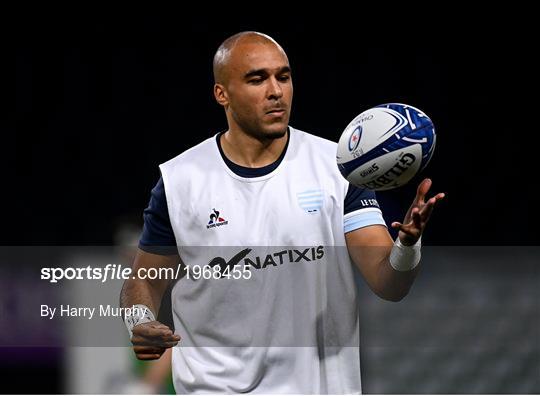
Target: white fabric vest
{"points": [[292, 327]]}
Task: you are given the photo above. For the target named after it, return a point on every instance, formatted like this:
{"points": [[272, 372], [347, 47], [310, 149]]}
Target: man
{"points": [[267, 198]]}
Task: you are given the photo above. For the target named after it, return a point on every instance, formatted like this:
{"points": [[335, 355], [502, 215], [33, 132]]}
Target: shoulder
{"points": [[315, 142], [318, 156], [314, 147], [196, 157]]}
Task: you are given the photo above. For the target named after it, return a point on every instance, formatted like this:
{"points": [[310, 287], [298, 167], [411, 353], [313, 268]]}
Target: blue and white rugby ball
{"points": [[385, 146]]}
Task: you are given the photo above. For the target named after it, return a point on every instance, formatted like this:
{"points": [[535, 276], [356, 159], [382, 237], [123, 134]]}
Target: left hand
{"points": [[418, 215]]}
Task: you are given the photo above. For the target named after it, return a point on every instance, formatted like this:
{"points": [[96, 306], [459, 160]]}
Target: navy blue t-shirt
{"points": [[158, 232]]}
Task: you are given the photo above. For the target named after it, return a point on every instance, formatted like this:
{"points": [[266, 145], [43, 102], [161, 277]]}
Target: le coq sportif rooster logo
{"points": [[216, 220]]}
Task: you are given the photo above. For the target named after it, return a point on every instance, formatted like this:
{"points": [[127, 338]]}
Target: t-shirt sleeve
{"points": [[361, 209], [157, 235]]}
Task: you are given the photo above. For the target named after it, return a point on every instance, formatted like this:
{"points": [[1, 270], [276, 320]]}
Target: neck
{"points": [[250, 152]]}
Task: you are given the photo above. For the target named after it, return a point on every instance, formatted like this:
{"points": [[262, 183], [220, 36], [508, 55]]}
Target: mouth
{"points": [[276, 112]]}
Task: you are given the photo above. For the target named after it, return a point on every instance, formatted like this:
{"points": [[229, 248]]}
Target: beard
{"points": [[271, 135], [260, 131]]}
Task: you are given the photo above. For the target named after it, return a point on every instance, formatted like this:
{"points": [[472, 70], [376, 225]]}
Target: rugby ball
{"points": [[386, 146]]}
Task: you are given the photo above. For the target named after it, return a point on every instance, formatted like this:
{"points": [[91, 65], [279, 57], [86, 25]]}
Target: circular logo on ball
{"points": [[354, 140]]}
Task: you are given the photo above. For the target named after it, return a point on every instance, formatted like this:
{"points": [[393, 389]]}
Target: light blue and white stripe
{"points": [[362, 218], [311, 201]]}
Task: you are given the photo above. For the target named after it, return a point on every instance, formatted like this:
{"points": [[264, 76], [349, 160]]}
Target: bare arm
{"points": [[150, 339], [147, 291], [370, 248]]}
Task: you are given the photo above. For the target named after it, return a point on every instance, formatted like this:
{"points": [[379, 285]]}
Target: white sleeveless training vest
{"points": [[289, 323]]}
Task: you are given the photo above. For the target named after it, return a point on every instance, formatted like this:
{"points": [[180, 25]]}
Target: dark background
{"points": [[101, 100]]}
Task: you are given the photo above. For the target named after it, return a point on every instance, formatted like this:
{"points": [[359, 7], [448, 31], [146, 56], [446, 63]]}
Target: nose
{"points": [[274, 89]]}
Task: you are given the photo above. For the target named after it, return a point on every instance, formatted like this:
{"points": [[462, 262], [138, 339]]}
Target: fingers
{"points": [[417, 218], [439, 196], [148, 356], [430, 205], [154, 343], [148, 350], [418, 214], [150, 340], [414, 225], [406, 228], [414, 221], [422, 190], [152, 330], [158, 325], [409, 229], [159, 342], [154, 334]]}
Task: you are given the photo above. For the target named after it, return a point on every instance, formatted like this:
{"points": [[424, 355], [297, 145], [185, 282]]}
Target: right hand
{"points": [[151, 339]]}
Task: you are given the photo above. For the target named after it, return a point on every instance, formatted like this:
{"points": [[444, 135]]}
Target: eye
{"points": [[284, 78], [255, 81]]}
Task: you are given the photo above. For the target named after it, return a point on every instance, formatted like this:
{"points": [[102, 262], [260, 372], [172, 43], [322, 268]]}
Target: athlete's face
{"points": [[258, 89]]}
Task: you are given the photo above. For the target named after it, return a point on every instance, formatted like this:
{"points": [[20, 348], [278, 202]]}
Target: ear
{"points": [[220, 93]]}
